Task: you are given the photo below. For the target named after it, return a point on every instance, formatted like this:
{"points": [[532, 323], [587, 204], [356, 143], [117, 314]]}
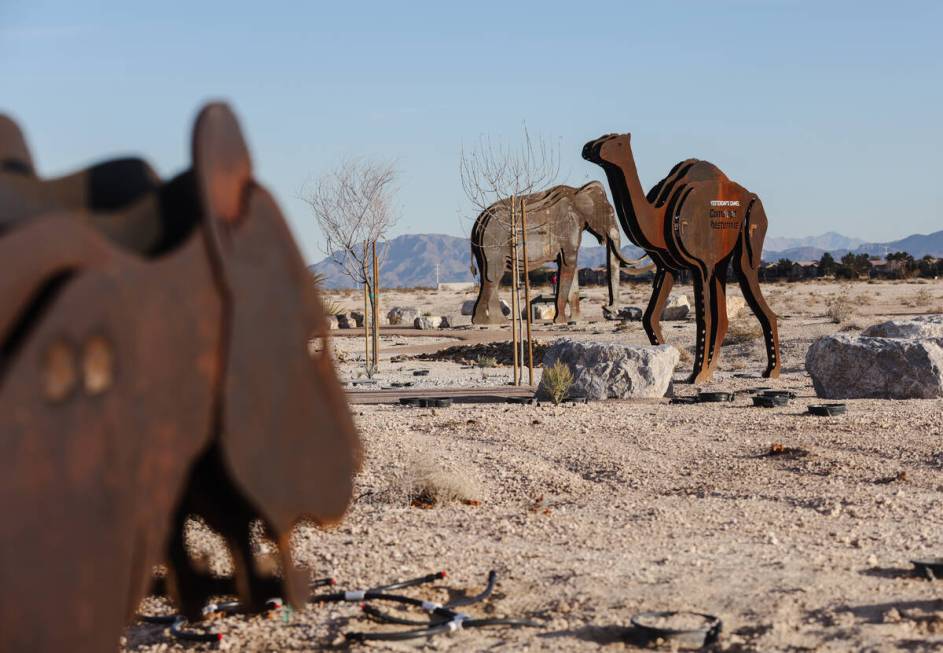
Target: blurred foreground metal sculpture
{"points": [[695, 219], [557, 218], [154, 364]]}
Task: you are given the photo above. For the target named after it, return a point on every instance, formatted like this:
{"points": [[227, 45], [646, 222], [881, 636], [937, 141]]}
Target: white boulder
{"points": [[427, 322], [608, 370], [402, 315], [852, 367], [676, 308]]}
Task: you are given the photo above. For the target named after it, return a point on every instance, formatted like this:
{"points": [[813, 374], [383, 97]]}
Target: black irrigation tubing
{"points": [[379, 615], [458, 622], [178, 621]]}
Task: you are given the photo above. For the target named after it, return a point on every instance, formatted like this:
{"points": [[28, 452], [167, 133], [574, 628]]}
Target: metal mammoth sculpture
{"points": [[556, 220], [154, 364], [699, 220]]}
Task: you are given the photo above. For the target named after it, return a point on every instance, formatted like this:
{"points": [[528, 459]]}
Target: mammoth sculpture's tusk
{"points": [[634, 267]]}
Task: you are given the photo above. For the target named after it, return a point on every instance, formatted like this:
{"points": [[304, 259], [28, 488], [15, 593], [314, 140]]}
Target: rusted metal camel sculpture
{"points": [[699, 220], [148, 374], [556, 220]]}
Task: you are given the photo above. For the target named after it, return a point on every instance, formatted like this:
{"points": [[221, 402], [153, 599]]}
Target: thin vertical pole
{"points": [[366, 315], [376, 308], [514, 297], [530, 342]]}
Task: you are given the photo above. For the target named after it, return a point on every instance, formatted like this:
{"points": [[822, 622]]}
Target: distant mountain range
{"points": [[412, 260]]}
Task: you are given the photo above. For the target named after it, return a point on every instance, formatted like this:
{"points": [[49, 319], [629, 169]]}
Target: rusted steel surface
{"points": [[154, 364], [556, 219], [694, 219]]}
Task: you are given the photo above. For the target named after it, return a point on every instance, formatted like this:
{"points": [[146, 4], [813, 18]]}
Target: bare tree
{"points": [[353, 206], [497, 173]]}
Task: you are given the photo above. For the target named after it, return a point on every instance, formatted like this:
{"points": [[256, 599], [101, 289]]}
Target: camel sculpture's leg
{"points": [[564, 283], [573, 299], [720, 315], [747, 262], [704, 310], [750, 285], [651, 320]]}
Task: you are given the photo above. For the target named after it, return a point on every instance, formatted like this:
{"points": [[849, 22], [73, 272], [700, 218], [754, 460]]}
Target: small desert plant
{"points": [[487, 361], [741, 331], [838, 308], [331, 307], [557, 380], [923, 297], [428, 484]]}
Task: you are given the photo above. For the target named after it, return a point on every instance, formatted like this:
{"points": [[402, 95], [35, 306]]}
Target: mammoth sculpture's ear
{"points": [[221, 162], [14, 154]]}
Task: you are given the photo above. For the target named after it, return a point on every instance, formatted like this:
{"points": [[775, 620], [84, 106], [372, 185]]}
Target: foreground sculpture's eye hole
{"points": [[59, 371], [97, 365]]}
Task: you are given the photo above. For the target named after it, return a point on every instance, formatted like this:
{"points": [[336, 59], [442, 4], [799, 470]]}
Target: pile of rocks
{"points": [[900, 359], [501, 352]]}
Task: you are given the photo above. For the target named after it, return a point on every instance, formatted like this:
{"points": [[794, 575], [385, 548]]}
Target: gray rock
{"points": [[452, 321], [357, 317], [468, 307], [427, 322], [345, 321], [622, 314], [608, 370], [677, 308], [923, 326], [852, 367], [402, 315], [505, 307]]}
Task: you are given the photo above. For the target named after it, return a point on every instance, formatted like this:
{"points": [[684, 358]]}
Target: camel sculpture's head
{"points": [[607, 149]]}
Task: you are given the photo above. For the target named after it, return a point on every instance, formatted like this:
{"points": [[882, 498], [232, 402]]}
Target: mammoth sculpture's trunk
{"points": [[612, 268]]}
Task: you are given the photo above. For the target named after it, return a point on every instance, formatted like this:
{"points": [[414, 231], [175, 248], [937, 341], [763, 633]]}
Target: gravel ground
{"points": [[591, 513]]}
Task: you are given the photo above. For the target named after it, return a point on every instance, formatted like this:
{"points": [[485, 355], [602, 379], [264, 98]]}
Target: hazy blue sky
{"points": [[830, 111]]}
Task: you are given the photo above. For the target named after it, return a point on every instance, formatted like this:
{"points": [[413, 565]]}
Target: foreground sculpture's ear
{"points": [[221, 162], [14, 154]]}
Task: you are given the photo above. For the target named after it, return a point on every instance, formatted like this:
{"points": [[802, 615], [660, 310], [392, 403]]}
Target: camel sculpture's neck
{"points": [[637, 209]]}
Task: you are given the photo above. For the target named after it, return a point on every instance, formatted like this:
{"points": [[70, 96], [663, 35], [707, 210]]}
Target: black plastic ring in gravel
{"points": [[684, 401], [789, 394], [712, 397], [932, 568], [828, 410], [770, 401], [409, 401], [697, 637], [421, 373]]}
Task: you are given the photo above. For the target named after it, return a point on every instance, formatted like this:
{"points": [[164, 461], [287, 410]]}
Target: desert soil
{"points": [[592, 513]]}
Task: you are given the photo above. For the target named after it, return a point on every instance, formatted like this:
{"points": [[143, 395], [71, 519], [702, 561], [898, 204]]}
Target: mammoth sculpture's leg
{"points": [[574, 297], [651, 320], [720, 314], [564, 283], [487, 307], [704, 309]]}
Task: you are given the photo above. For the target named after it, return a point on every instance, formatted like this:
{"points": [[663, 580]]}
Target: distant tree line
{"points": [[897, 265]]}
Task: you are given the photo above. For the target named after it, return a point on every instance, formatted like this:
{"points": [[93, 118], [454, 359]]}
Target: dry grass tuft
{"points": [[838, 309], [557, 380], [428, 484]]}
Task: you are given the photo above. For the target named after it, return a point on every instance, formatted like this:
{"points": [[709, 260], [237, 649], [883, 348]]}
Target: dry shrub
{"points": [[487, 361], [557, 380], [838, 309], [741, 331], [428, 483], [684, 357], [923, 297]]}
